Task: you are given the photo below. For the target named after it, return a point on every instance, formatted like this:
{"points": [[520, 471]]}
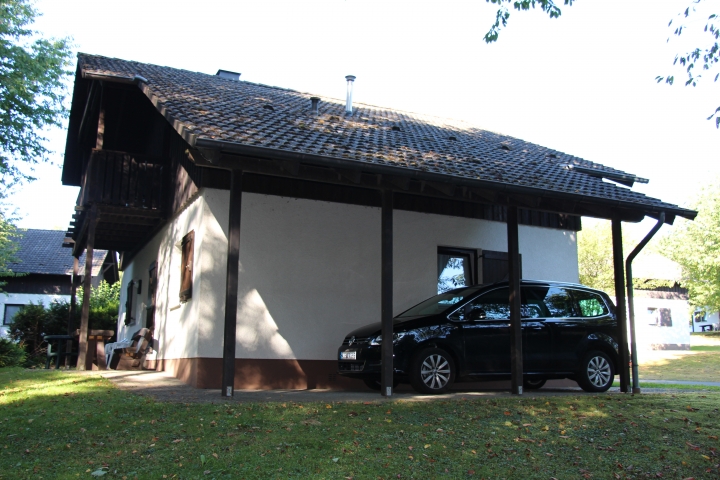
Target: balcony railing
{"points": [[122, 179]]}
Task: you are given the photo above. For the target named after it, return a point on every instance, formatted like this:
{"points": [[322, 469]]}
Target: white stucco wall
{"points": [[309, 272], [650, 336], [176, 324], [25, 299]]}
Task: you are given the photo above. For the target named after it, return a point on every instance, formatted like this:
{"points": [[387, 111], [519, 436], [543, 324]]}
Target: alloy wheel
{"points": [[435, 371], [599, 371]]}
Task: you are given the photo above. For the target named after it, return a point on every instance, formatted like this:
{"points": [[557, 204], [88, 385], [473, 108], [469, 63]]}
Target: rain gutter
{"points": [[631, 303]]}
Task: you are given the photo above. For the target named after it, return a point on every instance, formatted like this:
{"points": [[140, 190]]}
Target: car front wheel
{"points": [[533, 383], [433, 371], [597, 372]]}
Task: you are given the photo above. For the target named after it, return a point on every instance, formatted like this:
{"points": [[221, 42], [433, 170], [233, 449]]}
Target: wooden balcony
{"points": [[126, 190], [122, 179]]}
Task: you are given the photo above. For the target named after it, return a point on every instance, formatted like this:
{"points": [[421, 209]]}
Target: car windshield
{"points": [[440, 303]]}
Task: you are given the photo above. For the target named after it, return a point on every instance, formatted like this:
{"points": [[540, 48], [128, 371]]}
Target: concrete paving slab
{"points": [[165, 388]]}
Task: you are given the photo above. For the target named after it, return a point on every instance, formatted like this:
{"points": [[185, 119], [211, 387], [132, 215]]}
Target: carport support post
{"points": [[72, 309], [83, 362], [231, 285], [620, 297], [386, 295], [516, 357]]}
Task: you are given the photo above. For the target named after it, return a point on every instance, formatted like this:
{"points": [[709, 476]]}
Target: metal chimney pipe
{"points": [[348, 104], [314, 102]]}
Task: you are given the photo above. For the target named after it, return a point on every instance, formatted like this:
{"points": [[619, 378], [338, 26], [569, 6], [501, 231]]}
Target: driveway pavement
{"points": [[166, 388]]}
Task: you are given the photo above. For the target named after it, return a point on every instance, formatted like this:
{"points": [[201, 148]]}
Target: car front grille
{"points": [[355, 341], [351, 366]]}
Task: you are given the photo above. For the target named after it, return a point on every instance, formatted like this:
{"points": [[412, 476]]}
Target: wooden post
{"points": [[386, 293], [516, 356], [623, 368], [72, 309], [231, 285], [85, 360]]}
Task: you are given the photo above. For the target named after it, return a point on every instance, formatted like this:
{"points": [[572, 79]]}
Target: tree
{"points": [[503, 13], [32, 89], [8, 247], [695, 246], [703, 58], [595, 257]]}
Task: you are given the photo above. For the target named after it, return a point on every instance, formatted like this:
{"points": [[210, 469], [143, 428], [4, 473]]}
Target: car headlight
{"points": [[396, 338]]}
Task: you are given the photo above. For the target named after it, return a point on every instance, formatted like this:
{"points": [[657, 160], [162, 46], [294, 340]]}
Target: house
{"points": [[45, 271], [662, 310], [258, 225]]}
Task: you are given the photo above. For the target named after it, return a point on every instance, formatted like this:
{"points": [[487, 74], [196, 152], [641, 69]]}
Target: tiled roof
{"points": [[41, 251], [207, 106]]}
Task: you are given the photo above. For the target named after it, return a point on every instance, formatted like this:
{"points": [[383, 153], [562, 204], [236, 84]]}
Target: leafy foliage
{"points": [[104, 306], [503, 13], [32, 89], [595, 257], [34, 321], [8, 247], [695, 246], [11, 354], [701, 59], [653, 283]]}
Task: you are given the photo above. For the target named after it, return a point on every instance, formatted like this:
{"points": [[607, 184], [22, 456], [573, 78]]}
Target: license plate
{"points": [[348, 355]]}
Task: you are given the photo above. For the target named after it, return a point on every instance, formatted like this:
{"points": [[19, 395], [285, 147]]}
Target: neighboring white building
{"points": [[662, 314], [45, 269]]}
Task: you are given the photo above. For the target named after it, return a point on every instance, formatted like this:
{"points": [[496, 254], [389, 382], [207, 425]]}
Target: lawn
{"points": [[699, 366], [65, 425]]}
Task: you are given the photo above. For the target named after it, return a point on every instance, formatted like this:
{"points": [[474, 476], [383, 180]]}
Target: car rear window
{"points": [[591, 304]]}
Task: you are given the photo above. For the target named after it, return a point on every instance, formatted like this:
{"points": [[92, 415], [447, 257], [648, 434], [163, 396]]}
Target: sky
{"points": [[583, 84]]}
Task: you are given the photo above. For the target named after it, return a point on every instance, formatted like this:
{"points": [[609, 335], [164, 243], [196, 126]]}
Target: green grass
{"points": [[696, 367], [674, 386], [705, 348], [64, 425]]}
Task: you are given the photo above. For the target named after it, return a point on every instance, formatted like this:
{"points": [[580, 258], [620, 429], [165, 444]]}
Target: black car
{"points": [[569, 331]]}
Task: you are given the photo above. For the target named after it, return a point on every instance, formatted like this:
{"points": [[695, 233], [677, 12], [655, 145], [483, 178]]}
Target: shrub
{"points": [[29, 327], [11, 353], [33, 321]]}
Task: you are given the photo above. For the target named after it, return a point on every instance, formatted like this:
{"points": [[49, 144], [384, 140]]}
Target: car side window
{"points": [[493, 305], [547, 302], [590, 304]]}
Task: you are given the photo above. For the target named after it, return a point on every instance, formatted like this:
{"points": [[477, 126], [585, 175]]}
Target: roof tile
{"points": [[211, 107]]}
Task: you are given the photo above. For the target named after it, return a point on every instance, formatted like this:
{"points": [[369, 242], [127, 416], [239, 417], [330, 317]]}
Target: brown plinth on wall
{"points": [[259, 374]]}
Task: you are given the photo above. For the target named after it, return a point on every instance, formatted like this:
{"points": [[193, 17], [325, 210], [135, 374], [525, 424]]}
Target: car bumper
{"points": [[363, 362]]}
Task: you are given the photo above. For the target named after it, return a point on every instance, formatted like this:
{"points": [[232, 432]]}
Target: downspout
{"points": [[631, 303]]}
